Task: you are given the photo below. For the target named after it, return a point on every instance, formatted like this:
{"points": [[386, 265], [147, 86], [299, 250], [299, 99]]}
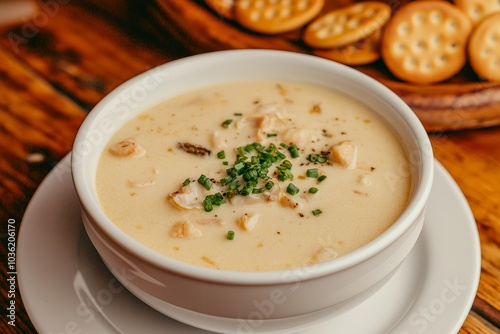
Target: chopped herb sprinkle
{"points": [[216, 199], [226, 123], [317, 212], [269, 185], [205, 182], [322, 178], [313, 173], [221, 155], [317, 158], [313, 190], [230, 235], [292, 189], [294, 151], [186, 182]]}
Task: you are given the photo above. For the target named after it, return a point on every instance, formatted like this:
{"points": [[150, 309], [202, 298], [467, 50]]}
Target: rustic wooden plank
{"points": [[477, 325], [80, 53], [36, 119], [37, 128], [474, 164]]}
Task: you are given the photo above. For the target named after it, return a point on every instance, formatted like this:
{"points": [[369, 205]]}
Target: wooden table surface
{"points": [[57, 66]]}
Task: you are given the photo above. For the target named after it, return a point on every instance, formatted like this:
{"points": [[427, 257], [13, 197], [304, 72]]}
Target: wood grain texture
{"points": [[49, 83], [462, 102]]}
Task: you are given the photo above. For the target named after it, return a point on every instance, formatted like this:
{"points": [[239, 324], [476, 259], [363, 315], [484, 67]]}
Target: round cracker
{"points": [[425, 42], [346, 25], [358, 53], [276, 16], [478, 9], [484, 48], [224, 8]]}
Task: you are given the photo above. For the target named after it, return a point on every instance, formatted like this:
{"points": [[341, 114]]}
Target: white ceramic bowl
{"points": [[249, 302]]}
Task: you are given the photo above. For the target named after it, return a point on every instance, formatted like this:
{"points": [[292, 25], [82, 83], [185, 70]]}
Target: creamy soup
{"points": [[254, 176]]}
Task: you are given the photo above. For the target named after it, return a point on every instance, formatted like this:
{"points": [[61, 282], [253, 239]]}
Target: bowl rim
{"points": [[414, 207]]}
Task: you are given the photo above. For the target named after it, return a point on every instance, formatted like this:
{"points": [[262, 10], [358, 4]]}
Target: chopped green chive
{"points": [[221, 155], [313, 172], [225, 163], [280, 156], [226, 123], [269, 185], [205, 182], [211, 200], [284, 174], [269, 135], [241, 152], [321, 178], [317, 212], [207, 205], [230, 235], [186, 182], [258, 190], [238, 114], [292, 189], [284, 145], [319, 158], [313, 190], [294, 151]]}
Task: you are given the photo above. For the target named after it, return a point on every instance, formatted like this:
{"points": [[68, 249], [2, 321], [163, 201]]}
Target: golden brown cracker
{"points": [[346, 25], [362, 52], [276, 16], [484, 48], [425, 41], [477, 9], [225, 8]]}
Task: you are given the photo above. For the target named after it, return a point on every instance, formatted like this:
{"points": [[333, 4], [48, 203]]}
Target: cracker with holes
{"points": [[362, 52], [425, 42], [224, 8], [484, 48], [276, 16], [478, 9], [346, 25]]}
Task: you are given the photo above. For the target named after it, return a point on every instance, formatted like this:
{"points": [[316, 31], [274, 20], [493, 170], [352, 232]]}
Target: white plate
{"points": [[67, 289]]}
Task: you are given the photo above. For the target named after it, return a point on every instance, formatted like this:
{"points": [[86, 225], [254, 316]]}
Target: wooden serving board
{"points": [[463, 102]]}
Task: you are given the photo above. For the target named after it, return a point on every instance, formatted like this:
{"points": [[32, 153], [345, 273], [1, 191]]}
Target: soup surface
{"points": [[254, 176]]}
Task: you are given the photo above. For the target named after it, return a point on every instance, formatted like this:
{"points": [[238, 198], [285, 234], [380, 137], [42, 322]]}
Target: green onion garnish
{"points": [[269, 135], [316, 212], [230, 235], [313, 172], [294, 151], [321, 178], [221, 155], [284, 174], [186, 182], [211, 200], [226, 123], [269, 185], [238, 114], [205, 182], [313, 190], [319, 158], [292, 189], [258, 190]]}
